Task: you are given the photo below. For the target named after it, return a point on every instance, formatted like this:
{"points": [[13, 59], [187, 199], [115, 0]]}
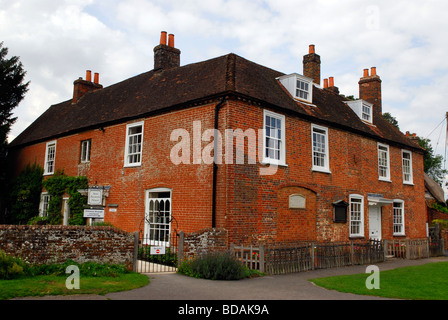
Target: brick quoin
{"points": [[253, 208]]}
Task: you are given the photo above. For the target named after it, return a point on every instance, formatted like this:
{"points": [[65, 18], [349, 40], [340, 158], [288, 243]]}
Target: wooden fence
{"points": [[414, 249], [303, 256]]}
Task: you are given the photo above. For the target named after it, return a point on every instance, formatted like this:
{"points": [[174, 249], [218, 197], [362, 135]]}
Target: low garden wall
{"points": [[207, 240], [56, 244]]}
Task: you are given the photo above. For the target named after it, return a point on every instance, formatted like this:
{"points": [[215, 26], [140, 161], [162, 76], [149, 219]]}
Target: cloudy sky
{"points": [[57, 40]]}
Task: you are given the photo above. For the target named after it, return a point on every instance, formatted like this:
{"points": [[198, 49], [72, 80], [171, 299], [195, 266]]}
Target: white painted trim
{"points": [[126, 151], [326, 168], [282, 160]]}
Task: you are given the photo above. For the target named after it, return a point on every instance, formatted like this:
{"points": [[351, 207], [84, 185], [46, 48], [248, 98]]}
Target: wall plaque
{"points": [[297, 201], [95, 197]]}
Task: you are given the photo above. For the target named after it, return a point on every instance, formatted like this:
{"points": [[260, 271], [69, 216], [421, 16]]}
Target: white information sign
{"points": [[94, 213], [157, 250], [95, 197]]}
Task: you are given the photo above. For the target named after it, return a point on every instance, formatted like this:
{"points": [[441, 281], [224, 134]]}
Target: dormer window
{"points": [[302, 90], [300, 87], [362, 108], [366, 113]]}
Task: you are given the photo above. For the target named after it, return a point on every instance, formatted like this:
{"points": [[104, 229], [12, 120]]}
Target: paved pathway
{"points": [[172, 286]]}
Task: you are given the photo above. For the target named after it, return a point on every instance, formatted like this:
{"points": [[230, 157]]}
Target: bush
{"points": [[214, 266], [12, 267]]}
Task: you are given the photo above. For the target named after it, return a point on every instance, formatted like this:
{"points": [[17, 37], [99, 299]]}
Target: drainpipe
{"points": [[215, 166]]}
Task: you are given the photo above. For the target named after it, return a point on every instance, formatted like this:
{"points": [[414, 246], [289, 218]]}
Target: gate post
{"points": [[261, 257], [136, 236], [180, 248]]}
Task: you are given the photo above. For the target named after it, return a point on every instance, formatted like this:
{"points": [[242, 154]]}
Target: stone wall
{"points": [[56, 244], [203, 241]]}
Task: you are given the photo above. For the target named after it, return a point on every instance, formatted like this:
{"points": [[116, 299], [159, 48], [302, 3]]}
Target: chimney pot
{"points": [[171, 40], [312, 49], [373, 71], [331, 82], [325, 83], [166, 56], [163, 37], [366, 73], [97, 78], [89, 75]]}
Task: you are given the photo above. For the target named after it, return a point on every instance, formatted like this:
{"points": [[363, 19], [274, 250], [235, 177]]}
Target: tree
{"points": [[24, 195], [12, 92], [392, 120]]}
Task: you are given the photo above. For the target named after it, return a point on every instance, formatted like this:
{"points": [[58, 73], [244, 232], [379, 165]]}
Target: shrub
{"points": [[12, 267], [214, 266]]}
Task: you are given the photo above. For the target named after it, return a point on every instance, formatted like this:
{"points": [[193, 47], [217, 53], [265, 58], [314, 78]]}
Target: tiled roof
{"points": [[163, 90]]}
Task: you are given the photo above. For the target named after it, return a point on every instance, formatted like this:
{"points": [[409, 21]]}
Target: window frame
{"points": [[402, 218], [282, 140], [47, 155], [361, 220], [369, 114], [43, 205], [87, 153], [326, 154], [127, 154], [387, 168], [410, 173]]}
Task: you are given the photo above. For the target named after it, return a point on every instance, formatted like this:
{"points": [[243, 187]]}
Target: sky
{"points": [[58, 40]]}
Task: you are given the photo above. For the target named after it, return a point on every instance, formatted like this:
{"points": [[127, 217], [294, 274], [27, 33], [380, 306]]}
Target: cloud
{"points": [[58, 40]]}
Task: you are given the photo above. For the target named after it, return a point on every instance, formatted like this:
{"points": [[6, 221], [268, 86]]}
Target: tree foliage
{"points": [[12, 92], [392, 120], [24, 196]]}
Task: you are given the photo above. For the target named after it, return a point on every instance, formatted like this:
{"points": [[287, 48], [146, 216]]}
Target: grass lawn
{"points": [[55, 285], [425, 282]]}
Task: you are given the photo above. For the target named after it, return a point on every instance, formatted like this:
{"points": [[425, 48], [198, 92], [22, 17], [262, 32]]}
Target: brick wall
{"points": [[251, 207], [191, 184], [56, 244], [207, 240], [257, 206]]}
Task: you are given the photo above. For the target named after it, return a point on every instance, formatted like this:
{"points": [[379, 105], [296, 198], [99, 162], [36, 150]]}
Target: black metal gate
{"points": [[157, 256]]}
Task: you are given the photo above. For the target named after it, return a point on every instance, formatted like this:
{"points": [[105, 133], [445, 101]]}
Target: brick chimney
{"points": [[81, 87], [311, 65], [370, 89], [329, 85], [166, 56]]}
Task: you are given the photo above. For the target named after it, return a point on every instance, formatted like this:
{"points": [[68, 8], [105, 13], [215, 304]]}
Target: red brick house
{"points": [[339, 171]]}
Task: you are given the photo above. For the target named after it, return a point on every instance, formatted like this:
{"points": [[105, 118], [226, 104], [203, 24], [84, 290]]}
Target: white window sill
{"points": [[399, 235], [48, 173], [322, 170], [273, 163], [408, 183], [133, 165], [385, 180]]}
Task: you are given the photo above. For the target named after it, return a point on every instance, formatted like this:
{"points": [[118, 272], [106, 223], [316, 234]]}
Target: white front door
{"points": [[158, 217], [375, 222]]}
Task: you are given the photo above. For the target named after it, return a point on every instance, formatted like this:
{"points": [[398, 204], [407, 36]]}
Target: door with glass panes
{"points": [[158, 217]]}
